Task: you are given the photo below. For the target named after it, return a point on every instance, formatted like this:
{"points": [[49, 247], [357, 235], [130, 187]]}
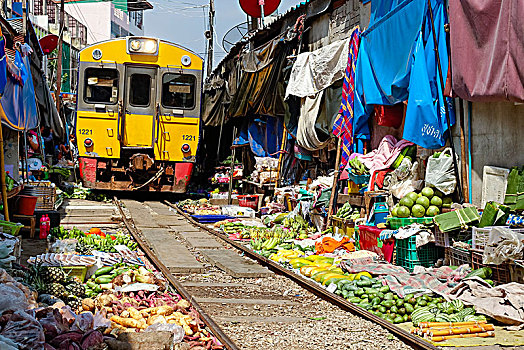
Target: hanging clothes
{"points": [[487, 49], [387, 74], [316, 70], [343, 126], [317, 116], [18, 101], [3, 65]]}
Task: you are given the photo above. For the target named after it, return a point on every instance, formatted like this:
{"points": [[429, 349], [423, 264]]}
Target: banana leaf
{"points": [[515, 189], [494, 214], [458, 219]]}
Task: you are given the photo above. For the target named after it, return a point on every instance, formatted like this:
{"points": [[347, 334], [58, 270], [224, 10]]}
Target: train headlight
{"points": [[144, 46], [88, 143], [186, 148], [135, 45]]}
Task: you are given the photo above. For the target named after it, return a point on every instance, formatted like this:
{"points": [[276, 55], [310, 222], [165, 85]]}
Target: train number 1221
{"points": [[189, 137], [85, 131]]}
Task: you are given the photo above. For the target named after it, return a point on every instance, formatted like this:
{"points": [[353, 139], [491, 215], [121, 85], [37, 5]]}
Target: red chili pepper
{"points": [[102, 234], [113, 238]]}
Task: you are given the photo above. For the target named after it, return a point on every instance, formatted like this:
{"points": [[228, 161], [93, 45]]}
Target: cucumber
{"points": [[103, 280], [384, 289], [364, 283], [355, 300], [104, 270]]}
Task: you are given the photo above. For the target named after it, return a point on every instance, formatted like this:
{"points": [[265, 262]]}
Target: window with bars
{"points": [[52, 12], [39, 7]]}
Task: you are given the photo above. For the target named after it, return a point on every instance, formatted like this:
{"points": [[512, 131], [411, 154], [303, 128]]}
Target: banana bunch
{"points": [[357, 167], [285, 255]]}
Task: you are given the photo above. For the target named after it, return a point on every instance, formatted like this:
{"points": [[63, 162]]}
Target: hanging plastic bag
{"points": [[404, 179], [440, 173]]}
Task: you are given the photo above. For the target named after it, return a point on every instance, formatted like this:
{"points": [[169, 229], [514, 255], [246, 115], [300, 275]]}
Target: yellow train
{"points": [[138, 114]]}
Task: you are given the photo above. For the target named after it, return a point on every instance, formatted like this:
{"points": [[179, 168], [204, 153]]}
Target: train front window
{"points": [[140, 90], [178, 91], [101, 85]]}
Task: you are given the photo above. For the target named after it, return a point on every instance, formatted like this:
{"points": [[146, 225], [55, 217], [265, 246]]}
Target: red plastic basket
{"points": [[249, 201]]}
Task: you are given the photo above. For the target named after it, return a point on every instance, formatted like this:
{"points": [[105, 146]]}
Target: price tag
{"points": [[332, 287]]}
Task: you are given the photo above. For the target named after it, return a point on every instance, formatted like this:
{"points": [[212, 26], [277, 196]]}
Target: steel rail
{"points": [[213, 326], [408, 338]]}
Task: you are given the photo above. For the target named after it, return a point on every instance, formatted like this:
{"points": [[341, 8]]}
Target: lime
{"points": [[413, 196], [406, 202], [432, 211], [403, 212], [418, 211], [436, 201], [423, 201], [428, 192], [394, 212]]}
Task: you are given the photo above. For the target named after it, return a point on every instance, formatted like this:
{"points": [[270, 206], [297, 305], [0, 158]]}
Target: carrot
{"points": [[460, 330], [447, 324], [481, 335]]}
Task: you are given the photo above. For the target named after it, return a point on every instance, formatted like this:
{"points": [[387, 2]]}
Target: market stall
{"points": [[91, 289]]}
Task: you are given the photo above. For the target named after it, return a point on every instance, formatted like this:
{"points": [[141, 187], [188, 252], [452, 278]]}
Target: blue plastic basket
{"points": [[210, 219]]}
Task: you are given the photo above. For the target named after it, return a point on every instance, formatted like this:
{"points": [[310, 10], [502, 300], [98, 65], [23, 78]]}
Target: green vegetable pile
{"points": [[357, 167], [347, 212], [89, 243], [371, 295]]}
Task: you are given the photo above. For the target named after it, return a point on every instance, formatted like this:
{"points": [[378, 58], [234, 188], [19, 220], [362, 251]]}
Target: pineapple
{"points": [[74, 302], [56, 289], [76, 288], [55, 275]]}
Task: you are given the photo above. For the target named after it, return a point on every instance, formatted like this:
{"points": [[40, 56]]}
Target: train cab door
{"points": [[139, 107]]}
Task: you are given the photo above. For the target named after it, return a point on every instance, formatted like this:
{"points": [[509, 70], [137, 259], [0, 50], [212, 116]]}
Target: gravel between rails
{"points": [[324, 326]]}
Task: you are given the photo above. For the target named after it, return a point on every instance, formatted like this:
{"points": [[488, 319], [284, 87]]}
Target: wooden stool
{"points": [[27, 219]]}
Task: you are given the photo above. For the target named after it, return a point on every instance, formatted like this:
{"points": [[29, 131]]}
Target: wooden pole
{"points": [[335, 179], [283, 146], [2, 176], [59, 58], [464, 164], [232, 169]]}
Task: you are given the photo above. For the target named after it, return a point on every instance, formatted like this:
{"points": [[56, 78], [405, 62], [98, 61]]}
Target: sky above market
{"points": [[185, 21]]}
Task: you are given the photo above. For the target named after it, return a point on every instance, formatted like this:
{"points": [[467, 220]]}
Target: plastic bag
{"points": [[64, 246], [403, 180], [178, 331], [503, 244], [440, 172], [25, 330], [12, 298]]}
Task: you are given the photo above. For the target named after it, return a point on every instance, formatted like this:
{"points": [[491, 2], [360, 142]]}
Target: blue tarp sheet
{"points": [[18, 101], [396, 62], [264, 136]]}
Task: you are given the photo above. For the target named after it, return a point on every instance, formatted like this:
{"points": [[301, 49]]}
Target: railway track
{"points": [[248, 300]]}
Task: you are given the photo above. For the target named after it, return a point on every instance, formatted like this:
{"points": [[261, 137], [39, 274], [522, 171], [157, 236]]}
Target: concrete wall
{"points": [[96, 16], [336, 25], [496, 136]]}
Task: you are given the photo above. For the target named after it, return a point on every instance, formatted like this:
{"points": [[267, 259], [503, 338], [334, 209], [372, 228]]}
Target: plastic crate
{"points": [[516, 271], [12, 228], [408, 256], [346, 227], [76, 271], [500, 273], [396, 223], [249, 201], [481, 235], [46, 195], [441, 238], [457, 256]]}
